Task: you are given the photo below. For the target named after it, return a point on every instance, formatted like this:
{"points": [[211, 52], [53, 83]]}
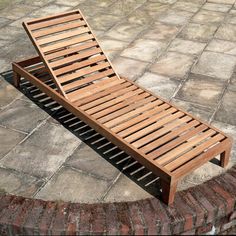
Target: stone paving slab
{"points": [[182, 50]]}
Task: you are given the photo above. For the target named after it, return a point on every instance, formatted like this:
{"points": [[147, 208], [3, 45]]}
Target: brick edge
{"points": [[209, 207]]}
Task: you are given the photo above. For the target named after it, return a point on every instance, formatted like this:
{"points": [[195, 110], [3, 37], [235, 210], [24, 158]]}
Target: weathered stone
{"points": [[223, 1], [129, 68], [175, 17], [173, 64], [4, 21], [186, 6], [227, 47], [197, 110], [18, 183], [90, 162], [231, 19], [200, 89], [198, 32], [90, 10], [71, 3], [160, 31], [216, 7], [154, 8], [9, 139], [43, 152], [8, 93], [10, 33], [100, 3], [227, 32], [160, 85], [205, 17], [70, 185], [216, 65], [125, 190], [125, 31], [186, 46], [141, 17], [227, 111], [144, 49], [22, 115]]}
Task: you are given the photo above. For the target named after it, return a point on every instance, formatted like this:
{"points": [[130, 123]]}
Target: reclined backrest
{"points": [[69, 50]]}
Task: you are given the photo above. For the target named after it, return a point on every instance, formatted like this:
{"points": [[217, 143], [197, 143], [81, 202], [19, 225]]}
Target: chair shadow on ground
{"points": [[111, 153]]}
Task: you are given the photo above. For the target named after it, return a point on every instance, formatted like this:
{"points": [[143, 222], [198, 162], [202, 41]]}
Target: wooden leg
{"points": [[168, 191], [224, 158], [16, 79]]}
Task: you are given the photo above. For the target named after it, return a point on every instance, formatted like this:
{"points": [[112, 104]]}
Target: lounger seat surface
{"points": [[162, 137]]}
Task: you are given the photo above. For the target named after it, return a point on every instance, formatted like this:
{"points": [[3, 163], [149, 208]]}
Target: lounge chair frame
{"points": [[221, 143]]}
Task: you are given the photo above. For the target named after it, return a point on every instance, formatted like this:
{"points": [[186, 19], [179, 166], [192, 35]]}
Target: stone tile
{"points": [[90, 10], [216, 65], [90, 162], [8, 93], [18, 184], [3, 42], [186, 46], [129, 68], [70, 185], [167, 1], [160, 31], [125, 31], [186, 6], [197, 110], [202, 90], [16, 116], [43, 152], [141, 17], [227, 111], [5, 65], [126, 190], [222, 1], [144, 49], [175, 17], [227, 32], [4, 21], [198, 32], [216, 7], [217, 45], [17, 11], [100, 3], [71, 3], [160, 85], [9, 139], [10, 33], [111, 46], [18, 23], [230, 19], [38, 3], [103, 22], [205, 17], [173, 64], [154, 8]]}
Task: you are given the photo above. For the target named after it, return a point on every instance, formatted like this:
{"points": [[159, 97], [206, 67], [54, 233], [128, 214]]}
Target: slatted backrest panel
{"points": [[70, 51]]}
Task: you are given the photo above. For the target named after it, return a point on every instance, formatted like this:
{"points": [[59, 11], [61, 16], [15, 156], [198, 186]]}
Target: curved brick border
{"points": [[195, 211]]}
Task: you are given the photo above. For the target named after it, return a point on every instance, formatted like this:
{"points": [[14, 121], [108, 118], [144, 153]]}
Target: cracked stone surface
{"points": [[181, 50]]}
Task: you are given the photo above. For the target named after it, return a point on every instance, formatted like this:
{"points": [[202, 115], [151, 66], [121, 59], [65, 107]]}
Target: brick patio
{"points": [[182, 50]]}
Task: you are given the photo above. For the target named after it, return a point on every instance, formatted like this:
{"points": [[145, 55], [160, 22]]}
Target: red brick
{"points": [[200, 213], [163, 220], [228, 199], [46, 218], [98, 222], [85, 219], [228, 182], [123, 218], [5, 201], [185, 211], [31, 221], [204, 229], [58, 224], [190, 232], [73, 219], [136, 218], [111, 219], [149, 217]]}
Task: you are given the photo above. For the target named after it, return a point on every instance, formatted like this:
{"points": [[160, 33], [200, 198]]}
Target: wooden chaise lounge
{"points": [[166, 140]]}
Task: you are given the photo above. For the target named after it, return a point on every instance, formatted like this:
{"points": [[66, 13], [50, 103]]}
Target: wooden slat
{"points": [[79, 65], [35, 26], [194, 152], [84, 71], [62, 36], [66, 43], [148, 128], [71, 50], [57, 29], [166, 129], [184, 147], [147, 111]]}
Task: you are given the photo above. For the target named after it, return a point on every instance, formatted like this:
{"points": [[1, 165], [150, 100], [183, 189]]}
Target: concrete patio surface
{"points": [[182, 50]]}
